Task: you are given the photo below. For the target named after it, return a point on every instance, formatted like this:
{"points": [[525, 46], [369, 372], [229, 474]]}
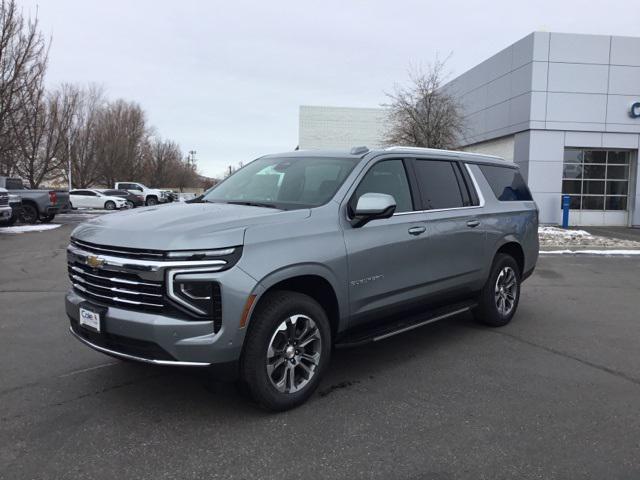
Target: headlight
{"points": [[200, 254]]}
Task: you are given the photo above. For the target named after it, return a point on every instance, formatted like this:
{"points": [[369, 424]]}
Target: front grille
{"points": [[4, 199], [125, 252], [117, 288]]}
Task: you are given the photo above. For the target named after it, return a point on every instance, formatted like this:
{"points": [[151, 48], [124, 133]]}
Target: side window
{"points": [[89, 193], [439, 184], [387, 176], [507, 183]]}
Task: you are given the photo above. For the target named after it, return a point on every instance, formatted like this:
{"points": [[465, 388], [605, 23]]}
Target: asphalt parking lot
{"points": [[555, 394]]}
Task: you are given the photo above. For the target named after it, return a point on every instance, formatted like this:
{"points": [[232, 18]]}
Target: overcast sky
{"points": [[226, 78]]}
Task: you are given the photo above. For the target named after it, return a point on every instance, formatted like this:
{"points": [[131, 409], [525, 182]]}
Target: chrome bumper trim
{"points": [[137, 359]]}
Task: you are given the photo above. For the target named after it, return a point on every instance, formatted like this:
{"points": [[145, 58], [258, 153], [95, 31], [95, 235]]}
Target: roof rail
{"points": [[359, 150]]}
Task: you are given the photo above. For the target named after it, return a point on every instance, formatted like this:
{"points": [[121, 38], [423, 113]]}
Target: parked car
{"points": [[89, 198], [151, 196], [133, 200], [37, 204], [15, 202], [5, 208], [299, 252]]}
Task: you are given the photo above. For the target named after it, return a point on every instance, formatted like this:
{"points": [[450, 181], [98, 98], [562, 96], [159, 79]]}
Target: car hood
{"points": [[181, 226]]}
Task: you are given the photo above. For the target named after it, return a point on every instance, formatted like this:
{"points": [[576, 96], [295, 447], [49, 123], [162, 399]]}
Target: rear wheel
{"points": [[501, 294], [29, 214], [47, 218], [110, 205], [287, 349]]}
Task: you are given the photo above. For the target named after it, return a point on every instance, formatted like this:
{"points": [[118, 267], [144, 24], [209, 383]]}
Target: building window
{"points": [[596, 179]]}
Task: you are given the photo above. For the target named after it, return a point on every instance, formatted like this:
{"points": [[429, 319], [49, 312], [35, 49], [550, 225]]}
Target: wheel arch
{"points": [[313, 280], [512, 247]]}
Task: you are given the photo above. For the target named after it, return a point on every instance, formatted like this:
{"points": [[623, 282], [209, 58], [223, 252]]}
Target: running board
{"points": [[386, 330]]}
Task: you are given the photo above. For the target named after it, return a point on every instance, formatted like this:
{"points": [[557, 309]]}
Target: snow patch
{"points": [[30, 228], [555, 231], [607, 253]]}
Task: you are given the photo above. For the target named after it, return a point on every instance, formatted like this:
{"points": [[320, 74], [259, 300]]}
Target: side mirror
{"points": [[373, 206]]}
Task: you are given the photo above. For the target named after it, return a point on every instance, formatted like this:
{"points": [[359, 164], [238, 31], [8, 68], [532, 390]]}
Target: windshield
{"points": [[285, 183]]}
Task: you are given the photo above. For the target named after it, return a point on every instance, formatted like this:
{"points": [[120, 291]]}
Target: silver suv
{"points": [[300, 252]]}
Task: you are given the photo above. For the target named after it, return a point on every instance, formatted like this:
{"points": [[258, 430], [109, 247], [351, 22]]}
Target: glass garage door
{"points": [[598, 183]]}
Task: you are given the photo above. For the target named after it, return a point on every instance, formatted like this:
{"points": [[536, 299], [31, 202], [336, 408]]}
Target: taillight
{"points": [[53, 198]]}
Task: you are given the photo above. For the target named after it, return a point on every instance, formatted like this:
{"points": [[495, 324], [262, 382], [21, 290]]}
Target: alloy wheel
{"points": [[505, 291], [293, 354]]}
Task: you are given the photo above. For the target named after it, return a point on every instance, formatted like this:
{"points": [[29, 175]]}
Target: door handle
{"points": [[417, 230], [473, 223]]}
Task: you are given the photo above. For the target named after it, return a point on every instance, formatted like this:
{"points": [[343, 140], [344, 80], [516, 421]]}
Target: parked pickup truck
{"points": [[5, 209], [37, 204], [151, 196]]}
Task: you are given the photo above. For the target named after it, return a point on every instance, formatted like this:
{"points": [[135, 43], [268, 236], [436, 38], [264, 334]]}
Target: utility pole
{"points": [[69, 152]]}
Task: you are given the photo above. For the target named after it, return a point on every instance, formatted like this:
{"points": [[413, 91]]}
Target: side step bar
{"points": [[386, 330]]}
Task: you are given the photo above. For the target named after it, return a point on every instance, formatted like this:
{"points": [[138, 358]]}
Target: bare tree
{"points": [[23, 60], [121, 135], [40, 127], [424, 114], [164, 163], [83, 132]]}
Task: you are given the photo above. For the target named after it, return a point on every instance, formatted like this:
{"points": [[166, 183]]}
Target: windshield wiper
{"points": [[253, 204]]}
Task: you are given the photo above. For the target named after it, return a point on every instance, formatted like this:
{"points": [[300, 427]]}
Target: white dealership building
{"points": [[564, 107]]}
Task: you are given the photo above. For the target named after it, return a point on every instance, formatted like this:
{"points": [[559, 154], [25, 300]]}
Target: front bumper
{"points": [[164, 340], [5, 213]]}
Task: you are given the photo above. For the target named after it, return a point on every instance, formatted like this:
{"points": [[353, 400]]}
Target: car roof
{"points": [[361, 152]]}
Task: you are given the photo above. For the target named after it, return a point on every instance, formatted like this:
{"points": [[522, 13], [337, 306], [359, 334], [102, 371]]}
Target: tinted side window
{"points": [[439, 185], [387, 176], [507, 183]]}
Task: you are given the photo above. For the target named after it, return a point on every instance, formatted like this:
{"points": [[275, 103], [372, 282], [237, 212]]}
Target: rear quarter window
{"points": [[507, 183]]}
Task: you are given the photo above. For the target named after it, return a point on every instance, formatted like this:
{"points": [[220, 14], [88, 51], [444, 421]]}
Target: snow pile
{"points": [[558, 237], [30, 228]]}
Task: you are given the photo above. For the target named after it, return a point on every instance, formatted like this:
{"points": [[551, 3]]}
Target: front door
{"points": [[385, 257]]}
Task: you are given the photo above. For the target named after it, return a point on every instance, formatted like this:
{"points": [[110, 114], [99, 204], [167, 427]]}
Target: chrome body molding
{"points": [[126, 356], [145, 265]]}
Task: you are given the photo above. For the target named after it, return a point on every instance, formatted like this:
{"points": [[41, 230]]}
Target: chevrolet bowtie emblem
{"points": [[94, 262]]}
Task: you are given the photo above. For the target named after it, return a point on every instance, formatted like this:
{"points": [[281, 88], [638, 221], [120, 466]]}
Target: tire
{"points": [[47, 218], [110, 205], [130, 204], [29, 214], [282, 322], [499, 299], [152, 201]]}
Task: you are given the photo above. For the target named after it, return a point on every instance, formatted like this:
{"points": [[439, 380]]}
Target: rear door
{"points": [[79, 198], [456, 236]]}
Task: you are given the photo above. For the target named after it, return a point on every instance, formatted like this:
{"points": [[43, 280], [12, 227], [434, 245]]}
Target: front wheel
{"points": [[152, 201], [109, 205], [48, 218], [130, 204], [500, 296], [287, 349]]}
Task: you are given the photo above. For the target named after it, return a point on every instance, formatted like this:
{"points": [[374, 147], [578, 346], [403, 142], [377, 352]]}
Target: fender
{"points": [[299, 269]]}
